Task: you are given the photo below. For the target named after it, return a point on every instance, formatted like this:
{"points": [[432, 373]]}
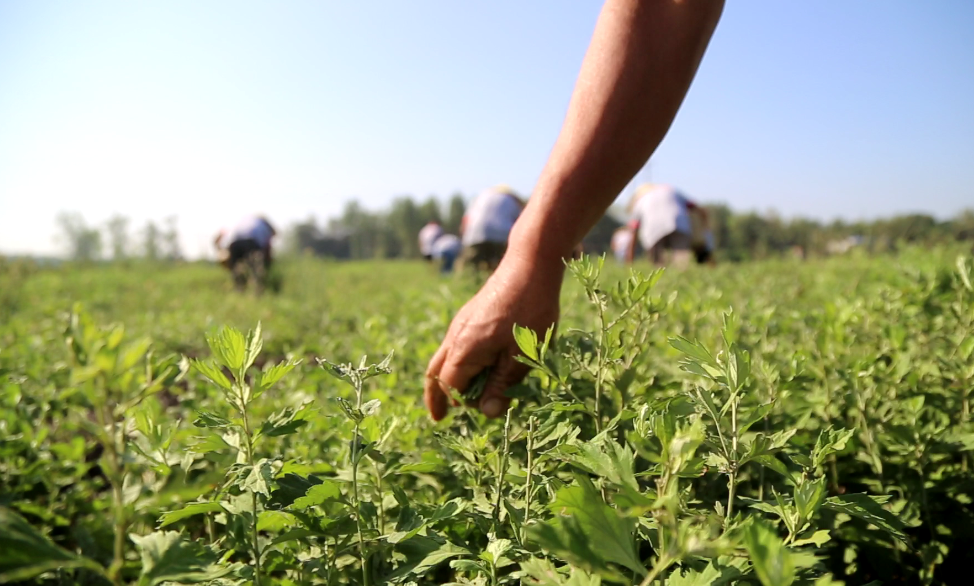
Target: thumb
{"points": [[507, 373]]}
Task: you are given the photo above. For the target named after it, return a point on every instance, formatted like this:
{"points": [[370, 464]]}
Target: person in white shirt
{"points": [[251, 234], [621, 240], [446, 249], [487, 225], [427, 236], [664, 226]]}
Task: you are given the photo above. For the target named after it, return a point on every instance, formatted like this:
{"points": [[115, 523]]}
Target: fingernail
{"points": [[492, 407]]}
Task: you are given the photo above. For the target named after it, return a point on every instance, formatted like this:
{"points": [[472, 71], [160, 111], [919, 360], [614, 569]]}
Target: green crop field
{"points": [[767, 423]]}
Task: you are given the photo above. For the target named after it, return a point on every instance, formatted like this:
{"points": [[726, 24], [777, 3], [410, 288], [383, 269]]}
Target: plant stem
{"points": [[660, 566], [965, 415], [767, 431], [732, 483], [355, 497], [209, 528], [116, 478], [253, 495], [253, 528], [501, 469], [527, 483], [118, 556], [600, 358], [378, 488]]}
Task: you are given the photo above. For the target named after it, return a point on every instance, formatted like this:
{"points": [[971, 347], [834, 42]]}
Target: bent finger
{"points": [[508, 373], [433, 395]]}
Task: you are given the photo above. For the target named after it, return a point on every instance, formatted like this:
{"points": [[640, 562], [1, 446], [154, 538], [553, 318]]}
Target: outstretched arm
{"points": [[639, 65], [636, 73]]}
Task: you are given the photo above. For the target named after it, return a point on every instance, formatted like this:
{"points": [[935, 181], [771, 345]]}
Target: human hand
{"points": [[481, 335]]}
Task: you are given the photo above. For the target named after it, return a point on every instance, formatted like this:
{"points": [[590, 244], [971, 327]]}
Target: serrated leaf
{"points": [[830, 441], [274, 521], [190, 510], [342, 372], [742, 367], [371, 407], [705, 577], [211, 420], [870, 510], [609, 460], [808, 498], [285, 422], [422, 554], [705, 399], [541, 572], [588, 532], [259, 478], [228, 347], [291, 487], [771, 462], [693, 350], [203, 444], [756, 414], [965, 273], [275, 373], [471, 566], [132, 354], [253, 346], [527, 341], [818, 539], [317, 495], [372, 370], [27, 553], [212, 373], [167, 557], [770, 558], [349, 410], [292, 535], [966, 348], [497, 549]]}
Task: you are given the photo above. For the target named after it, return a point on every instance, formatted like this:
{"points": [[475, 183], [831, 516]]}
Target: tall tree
{"points": [[118, 227], [405, 220], [150, 241], [430, 210], [455, 210], [170, 239], [82, 242]]}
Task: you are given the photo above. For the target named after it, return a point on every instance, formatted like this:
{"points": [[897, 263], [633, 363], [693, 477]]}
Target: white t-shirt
{"points": [[661, 211], [427, 236], [490, 217], [251, 228], [621, 239], [446, 244]]}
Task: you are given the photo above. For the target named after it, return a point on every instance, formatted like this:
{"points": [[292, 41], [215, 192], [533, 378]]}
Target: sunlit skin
{"points": [[636, 72]]}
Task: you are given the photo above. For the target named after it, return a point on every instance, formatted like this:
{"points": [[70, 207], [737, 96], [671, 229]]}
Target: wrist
{"points": [[539, 250]]}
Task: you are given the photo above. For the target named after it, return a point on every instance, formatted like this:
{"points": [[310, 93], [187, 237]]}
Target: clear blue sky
{"points": [[206, 109]]}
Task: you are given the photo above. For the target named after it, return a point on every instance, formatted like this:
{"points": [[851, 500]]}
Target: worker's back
{"points": [[253, 228], [661, 211], [490, 217]]}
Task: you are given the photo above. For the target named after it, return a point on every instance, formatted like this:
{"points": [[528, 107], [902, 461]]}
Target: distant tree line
{"points": [[84, 242], [744, 236], [362, 234]]}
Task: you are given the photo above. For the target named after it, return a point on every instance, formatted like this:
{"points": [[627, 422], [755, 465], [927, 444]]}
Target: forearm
{"points": [[639, 65]]}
